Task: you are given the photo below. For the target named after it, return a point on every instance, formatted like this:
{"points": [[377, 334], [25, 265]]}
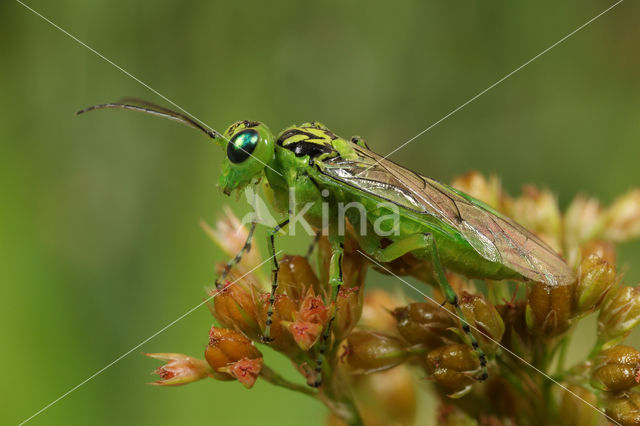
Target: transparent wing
{"points": [[494, 236]]}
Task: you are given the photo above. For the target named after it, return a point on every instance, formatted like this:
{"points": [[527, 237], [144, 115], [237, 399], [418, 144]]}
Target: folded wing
{"points": [[494, 236]]}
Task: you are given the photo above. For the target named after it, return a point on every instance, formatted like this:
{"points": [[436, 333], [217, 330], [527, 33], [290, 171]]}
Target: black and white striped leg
{"points": [[274, 282], [313, 245], [233, 262]]}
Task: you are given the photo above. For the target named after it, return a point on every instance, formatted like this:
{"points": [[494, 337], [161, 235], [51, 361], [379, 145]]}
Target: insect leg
{"points": [[427, 242], [313, 244], [274, 283], [335, 280], [451, 297], [233, 262]]}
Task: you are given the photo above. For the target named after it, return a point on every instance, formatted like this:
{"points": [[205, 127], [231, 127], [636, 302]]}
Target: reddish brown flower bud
{"points": [[231, 353], [349, 304], [453, 367], [574, 411], [625, 409], [424, 323], [309, 321], [235, 305], [605, 250], [245, 370], [488, 326], [312, 309], [179, 370], [619, 314], [369, 351], [549, 309], [284, 311], [296, 277], [596, 278], [305, 333], [617, 368]]}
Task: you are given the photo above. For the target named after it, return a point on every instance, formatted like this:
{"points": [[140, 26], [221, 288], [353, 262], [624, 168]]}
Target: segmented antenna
{"points": [[153, 109]]}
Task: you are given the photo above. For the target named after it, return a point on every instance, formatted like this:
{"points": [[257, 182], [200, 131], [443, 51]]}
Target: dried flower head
{"points": [[363, 354]]}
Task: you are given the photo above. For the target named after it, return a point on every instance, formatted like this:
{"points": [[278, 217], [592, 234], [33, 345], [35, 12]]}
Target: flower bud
{"points": [[623, 217], [369, 351], [296, 277], [312, 309], [605, 250], [453, 367], [349, 305], [305, 333], [424, 323], [235, 305], [387, 397], [284, 310], [574, 411], [231, 353], [619, 314], [625, 409], [309, 321], [476, 185], [245, 370], [179, 370], [596, 278], [538, 211], [354, 264], [582, 221], [617, 368], [516, 336], [548, 309], [375, 312], [231, 235], [488, 326]]}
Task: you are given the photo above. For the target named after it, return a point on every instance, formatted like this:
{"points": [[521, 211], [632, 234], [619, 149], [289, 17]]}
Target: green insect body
{"points": [[444, 227]]}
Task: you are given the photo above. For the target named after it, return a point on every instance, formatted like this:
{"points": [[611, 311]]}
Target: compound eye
{"points": [[242, 145]]}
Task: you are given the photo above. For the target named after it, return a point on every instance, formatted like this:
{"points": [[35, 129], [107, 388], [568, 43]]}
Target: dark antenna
{"points": [[153, 109]]}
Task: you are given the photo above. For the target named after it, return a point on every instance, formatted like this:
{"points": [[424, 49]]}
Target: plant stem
{"points": [[275, 379]]}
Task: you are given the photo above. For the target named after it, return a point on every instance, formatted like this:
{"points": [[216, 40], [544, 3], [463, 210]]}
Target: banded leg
{"points": [[426, 241], [335, 280], [233, 262], [274, 283], [313, 245]]}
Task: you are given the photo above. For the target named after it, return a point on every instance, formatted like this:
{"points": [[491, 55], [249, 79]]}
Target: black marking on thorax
{"points": [[312, 146]]}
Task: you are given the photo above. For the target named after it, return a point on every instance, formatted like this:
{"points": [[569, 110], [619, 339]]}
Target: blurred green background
{"points": [[99, 239]]}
